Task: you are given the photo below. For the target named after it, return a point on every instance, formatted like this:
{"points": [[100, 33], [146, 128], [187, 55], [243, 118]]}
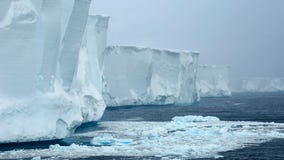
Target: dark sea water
{"points": [[261, 107]]}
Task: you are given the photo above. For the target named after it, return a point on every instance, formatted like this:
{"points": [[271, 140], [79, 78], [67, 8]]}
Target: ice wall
{"points": [[89, 77], [145, 76], [213, 81], [43, 93], [19, 35], [257, 85], [92, 47]]}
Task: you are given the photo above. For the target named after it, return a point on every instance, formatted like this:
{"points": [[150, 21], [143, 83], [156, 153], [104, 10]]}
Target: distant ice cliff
{"points": [[257, 84], [145, 76], [213, 81]]}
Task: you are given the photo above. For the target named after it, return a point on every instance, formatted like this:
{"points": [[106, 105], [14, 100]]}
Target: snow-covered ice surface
{"points": [[213, 81], [145, 76], [44, 93], [182, 138], [257, 84]]}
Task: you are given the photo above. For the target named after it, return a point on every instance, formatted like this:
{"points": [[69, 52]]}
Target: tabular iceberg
{"points": [[213, 81], [144, 76], [43, 93], [257, 85]]}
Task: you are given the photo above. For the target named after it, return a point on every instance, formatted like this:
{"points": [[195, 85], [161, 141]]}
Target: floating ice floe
{"points": [[182, 138]]}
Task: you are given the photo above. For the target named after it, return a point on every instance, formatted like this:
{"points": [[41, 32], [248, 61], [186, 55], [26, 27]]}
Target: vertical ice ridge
{"points": [[71, 42], [188, 80], [94, 42], [51, 32]]}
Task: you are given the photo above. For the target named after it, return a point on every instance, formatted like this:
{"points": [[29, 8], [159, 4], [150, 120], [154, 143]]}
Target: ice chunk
{"points": [[213, 81], [109, 140], [193, 137], [257, 84], [144, 76], [186, 119], [39, 65]]}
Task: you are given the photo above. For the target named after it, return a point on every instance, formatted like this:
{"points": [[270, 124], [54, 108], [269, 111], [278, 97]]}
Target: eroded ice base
{"points": [[183, 137], [47, 116]]}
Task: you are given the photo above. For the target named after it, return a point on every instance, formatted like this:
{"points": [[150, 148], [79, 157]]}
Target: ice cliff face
{"points": [[213, 81], [46, 85], [144, 76], [19, 44], [257, 85], [93, 44]]}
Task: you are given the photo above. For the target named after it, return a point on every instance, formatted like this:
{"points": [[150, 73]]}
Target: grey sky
{"points": [[247, 35]]}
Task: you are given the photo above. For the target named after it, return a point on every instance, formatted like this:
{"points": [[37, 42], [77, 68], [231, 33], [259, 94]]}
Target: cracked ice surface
{"points": [[183, 137]]}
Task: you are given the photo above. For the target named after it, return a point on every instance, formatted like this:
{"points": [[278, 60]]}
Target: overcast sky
{"points": [[247, 35]]}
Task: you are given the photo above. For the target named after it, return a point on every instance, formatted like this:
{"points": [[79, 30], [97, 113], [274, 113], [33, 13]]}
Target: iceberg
{"points": [[257, 84], [44, 94], [213, 81], [145, 76]]}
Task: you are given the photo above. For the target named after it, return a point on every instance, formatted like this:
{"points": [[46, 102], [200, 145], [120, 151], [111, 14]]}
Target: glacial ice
{"points": [[257, 84], [182, 138], [44, 93], [213, 81], [145, 76], [92, 47]]}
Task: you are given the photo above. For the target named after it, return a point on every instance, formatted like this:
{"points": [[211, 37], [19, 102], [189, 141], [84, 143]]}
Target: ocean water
{"points": [[263, 107], [247, 107]]}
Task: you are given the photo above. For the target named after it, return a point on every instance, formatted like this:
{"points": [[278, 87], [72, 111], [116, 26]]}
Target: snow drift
{"points": [[145, 76], [43, 92], [213, 81], [257, 85]]}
